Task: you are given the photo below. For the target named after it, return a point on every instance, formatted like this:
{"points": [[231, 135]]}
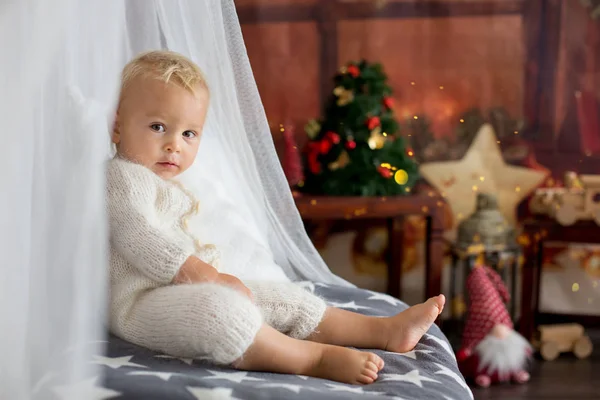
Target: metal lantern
{"points": [[484, 237]]}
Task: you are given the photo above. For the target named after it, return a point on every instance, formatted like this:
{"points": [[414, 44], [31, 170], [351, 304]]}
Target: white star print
{"points": [[236, 377], [350, 306], [384, 297], [413, 353], [443, 370], [188, 361], [85, 390], [288, 386], [165, 376], [211, 393], [116, 362], [352, 389], [343, 388], [442, 343], [412, 377]]}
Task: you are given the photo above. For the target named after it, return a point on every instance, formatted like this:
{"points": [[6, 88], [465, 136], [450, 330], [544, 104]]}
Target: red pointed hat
{"points": [[487, 297]]}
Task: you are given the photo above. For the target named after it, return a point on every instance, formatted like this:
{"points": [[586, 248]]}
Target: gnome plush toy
{"points": [[492, 351]]}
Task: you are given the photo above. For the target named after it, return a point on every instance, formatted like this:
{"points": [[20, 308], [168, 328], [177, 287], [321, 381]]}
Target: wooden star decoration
{"points": [[482, 169]]}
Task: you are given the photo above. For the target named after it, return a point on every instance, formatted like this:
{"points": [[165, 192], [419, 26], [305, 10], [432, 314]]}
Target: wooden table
{"points": [[539, 231], [393, 210]]}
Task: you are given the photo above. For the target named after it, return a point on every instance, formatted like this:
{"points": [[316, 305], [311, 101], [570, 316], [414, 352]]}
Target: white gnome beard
{"points": [[504, 356]]}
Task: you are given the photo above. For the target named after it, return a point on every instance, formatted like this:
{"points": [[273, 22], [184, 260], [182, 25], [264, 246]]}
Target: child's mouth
{"points": [[167, 164]]}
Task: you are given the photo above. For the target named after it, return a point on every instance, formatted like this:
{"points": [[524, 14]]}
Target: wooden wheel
{"points": [[583, 347], [566, 215], [549, 351]]}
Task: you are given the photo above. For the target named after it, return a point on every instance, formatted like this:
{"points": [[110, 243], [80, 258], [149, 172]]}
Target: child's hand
{"points": [[235, 283], [194, 270]]}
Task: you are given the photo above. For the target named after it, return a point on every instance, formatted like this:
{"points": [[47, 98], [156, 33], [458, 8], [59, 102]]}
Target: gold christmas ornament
{"points": [[401, 177], [312, 128], [376, 140], [344, 95], [341, 162]]}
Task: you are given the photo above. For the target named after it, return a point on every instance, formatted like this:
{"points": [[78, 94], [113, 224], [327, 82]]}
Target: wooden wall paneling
{"points": [[543, 18], [329, 14], [454, 63], [571, 70], [273, 13], [426, 9], [249, 12], [577, 71], [532, 18], [283, 60], [327, 19]]}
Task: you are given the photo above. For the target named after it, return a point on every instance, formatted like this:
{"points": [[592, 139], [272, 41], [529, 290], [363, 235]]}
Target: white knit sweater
{"points": [[150, 240]]}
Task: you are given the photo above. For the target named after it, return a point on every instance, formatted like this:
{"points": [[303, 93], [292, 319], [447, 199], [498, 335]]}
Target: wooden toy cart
{"points": [[552, 340], [580, 200]]}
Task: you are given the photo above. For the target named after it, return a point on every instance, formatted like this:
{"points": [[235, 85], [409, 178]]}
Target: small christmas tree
{"points": [[355, 149]]}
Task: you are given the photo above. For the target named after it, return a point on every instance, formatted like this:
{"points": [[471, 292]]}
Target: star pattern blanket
{"points": [[427, 372]]}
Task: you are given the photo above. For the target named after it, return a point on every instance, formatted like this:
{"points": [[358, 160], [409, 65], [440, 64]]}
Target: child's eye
{"points": [[158, 127], [189, 134]]}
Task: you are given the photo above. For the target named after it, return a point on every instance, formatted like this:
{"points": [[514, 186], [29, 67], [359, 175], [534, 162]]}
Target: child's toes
{"points": [[378, 361], [365, 379], [439, 301], [370, 365], [370, 372]]}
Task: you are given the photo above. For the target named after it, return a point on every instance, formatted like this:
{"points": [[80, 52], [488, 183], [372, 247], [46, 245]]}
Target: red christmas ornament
{"points": [[353, 71], [333, 137], [324, 146], [373, 122], [388, 102], [350, 144], [292, 163], [386, 173], [313, 164], [313, 158]]}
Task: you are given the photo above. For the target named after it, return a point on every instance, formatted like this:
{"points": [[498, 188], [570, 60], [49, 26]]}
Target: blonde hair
{"points": [[166, 66]]}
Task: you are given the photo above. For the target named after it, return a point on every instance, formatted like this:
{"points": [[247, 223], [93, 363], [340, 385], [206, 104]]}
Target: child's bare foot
{"points": [[406, 329], [346, 365], [273, 351]]}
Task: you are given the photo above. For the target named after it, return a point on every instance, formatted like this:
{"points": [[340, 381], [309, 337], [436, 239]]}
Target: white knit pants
{"points": [[217, 322]]}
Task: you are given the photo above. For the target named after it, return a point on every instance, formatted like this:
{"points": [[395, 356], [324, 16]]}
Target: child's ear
{"points": [[116, 131]]}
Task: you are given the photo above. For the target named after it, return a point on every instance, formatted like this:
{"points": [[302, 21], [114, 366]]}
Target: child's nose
{"points": [[172, 145]]}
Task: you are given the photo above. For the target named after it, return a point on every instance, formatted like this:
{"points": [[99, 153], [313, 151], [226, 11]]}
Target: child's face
{"points": [[159, 125]]}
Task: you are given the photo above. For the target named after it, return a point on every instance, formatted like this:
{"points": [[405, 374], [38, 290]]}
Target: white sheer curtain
{"points": [[248, 210], [58, 58], [60, 62]]}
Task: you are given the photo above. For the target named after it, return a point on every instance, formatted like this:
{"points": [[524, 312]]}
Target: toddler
{"points": [[167, 293]]}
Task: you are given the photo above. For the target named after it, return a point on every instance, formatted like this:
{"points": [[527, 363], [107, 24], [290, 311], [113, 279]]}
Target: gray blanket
{"points": [[427, 372]]}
